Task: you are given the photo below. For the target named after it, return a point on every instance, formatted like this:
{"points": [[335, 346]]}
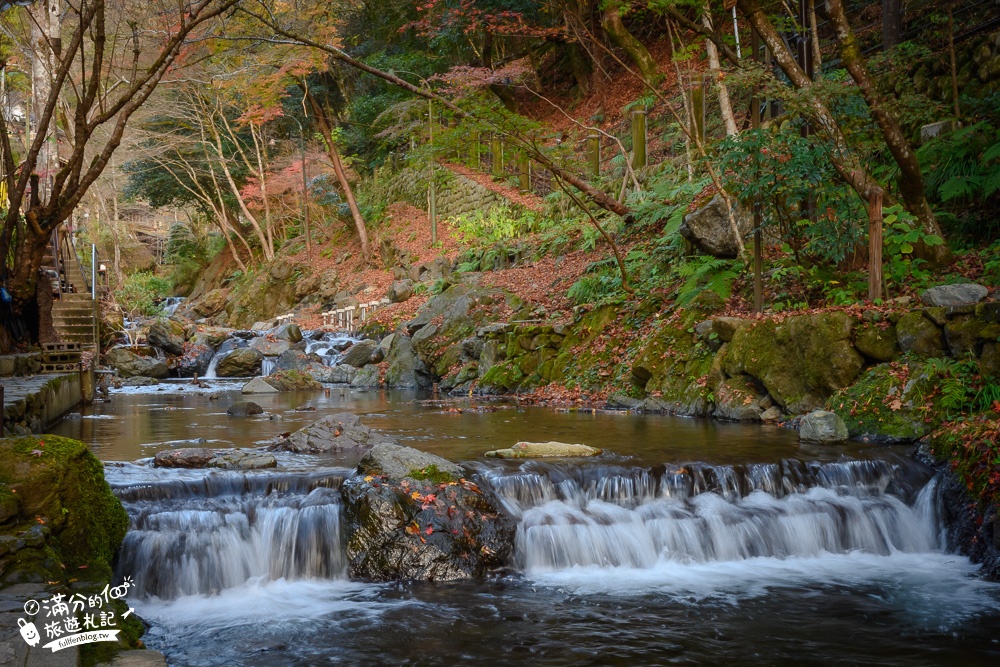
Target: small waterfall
{"points": [[214, 532], [171, 304], [330, 346], [267, 365], [210, 371], [612, 516]]}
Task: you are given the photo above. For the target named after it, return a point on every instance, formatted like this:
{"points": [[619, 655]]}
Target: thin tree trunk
{"points": [[817, 53], [725, 106], [338, 168], [911, 182]]}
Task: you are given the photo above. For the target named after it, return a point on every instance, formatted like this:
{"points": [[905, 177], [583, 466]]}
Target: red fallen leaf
{"points": [[413, 528], [430, 498], [429, 530]]}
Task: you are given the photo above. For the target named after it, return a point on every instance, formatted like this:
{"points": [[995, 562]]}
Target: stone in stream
{"points": [[228, 459], [281, 381], [540, 450], [259, 385], [244, 409], [195, 360], [129, 364], [241, 362], [290, 332], [167, 335], [359, 354], [333, 433], [140, 381], [270, 346], [823, 427], [411, 516]]}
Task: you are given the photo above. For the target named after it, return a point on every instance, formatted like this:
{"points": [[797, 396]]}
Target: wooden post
{"points": [[524, 172], [477, 150], [638, 139], [594, 154], [698, 108], [1, 410], [758, 237], [496, 151], [892, 23], [875, 245]]}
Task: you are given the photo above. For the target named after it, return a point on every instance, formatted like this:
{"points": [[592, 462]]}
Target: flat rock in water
{"points": [[396, 462], [954, 295], [333, 433], [259, 385], [229, 459], [542, 450], [186, 457]]}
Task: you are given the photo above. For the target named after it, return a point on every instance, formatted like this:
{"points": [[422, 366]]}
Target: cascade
{"points": [[211, 532], [205, 532]]}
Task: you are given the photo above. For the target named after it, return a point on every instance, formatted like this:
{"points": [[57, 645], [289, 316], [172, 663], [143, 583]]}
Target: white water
{"points": [[267, 365], [210, 372]]}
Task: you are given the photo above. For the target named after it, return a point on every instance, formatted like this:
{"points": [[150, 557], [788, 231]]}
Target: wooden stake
{"points": [[875, 246], [638, 139]]}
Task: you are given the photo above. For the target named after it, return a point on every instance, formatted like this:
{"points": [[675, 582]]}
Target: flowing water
{"points": [[688, 542]]}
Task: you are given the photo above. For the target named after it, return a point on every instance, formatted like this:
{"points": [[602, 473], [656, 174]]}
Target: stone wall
{"points": [[456, 194], [33, 403]]}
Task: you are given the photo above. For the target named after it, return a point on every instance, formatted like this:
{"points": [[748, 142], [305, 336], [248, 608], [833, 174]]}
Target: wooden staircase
{"points": [[73, 311]]}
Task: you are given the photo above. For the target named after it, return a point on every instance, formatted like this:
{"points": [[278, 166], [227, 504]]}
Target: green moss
{"points": [[892, 402], [504, 376], [61, 483], [292, 380], [432, 474]]}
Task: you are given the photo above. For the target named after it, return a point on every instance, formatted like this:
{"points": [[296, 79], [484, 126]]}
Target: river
{"points": [[687, 542]]}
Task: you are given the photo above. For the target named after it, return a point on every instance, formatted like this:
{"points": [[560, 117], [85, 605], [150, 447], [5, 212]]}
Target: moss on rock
{"points": [[801, 361], [891, 402], [60, 485]]}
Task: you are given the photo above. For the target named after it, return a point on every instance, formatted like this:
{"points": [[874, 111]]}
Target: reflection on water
{"points": [[689, 542], [136, 425]]}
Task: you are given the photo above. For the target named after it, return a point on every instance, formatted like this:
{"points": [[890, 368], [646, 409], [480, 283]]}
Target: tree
{"points": [[94, 68]]}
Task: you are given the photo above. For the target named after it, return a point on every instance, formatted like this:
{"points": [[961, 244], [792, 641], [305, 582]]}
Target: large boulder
{"points": [[878, 342], [130, 364], [710, 230], [212, 336], [270, 346], [195, 360], [396, 462], [292, 381], [402, 358], [167, 335], [411, 516], [260, 385], [360, 353], [290, 332], [801, 361], [919, 335], [333, 433], [339, 374], [401, 290], [294, 360], [62, 520], [954, 295], [366, 377], [241, 362], [823, 427], [740, 399]]}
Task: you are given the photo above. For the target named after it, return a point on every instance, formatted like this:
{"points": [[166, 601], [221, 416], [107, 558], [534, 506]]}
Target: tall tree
{"points": [[104, 60]]}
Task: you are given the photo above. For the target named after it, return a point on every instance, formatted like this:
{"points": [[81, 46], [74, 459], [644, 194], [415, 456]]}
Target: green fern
{"points": [[700, 273]]}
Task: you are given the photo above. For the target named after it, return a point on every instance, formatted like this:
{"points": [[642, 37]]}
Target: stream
{"points": [[686, 542]]}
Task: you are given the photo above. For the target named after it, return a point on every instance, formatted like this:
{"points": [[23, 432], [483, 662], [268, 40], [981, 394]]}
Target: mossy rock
{"points": [[889, 403], [673, 367], [58, 481], [292, 381], [800, 361], [919, 335], [962, 335], [876, 342], [502, 377]]}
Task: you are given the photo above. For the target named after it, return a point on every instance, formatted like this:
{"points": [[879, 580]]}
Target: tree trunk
{"points": [[611, 21], [338, 167], [725, 106], [911, 181]]}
